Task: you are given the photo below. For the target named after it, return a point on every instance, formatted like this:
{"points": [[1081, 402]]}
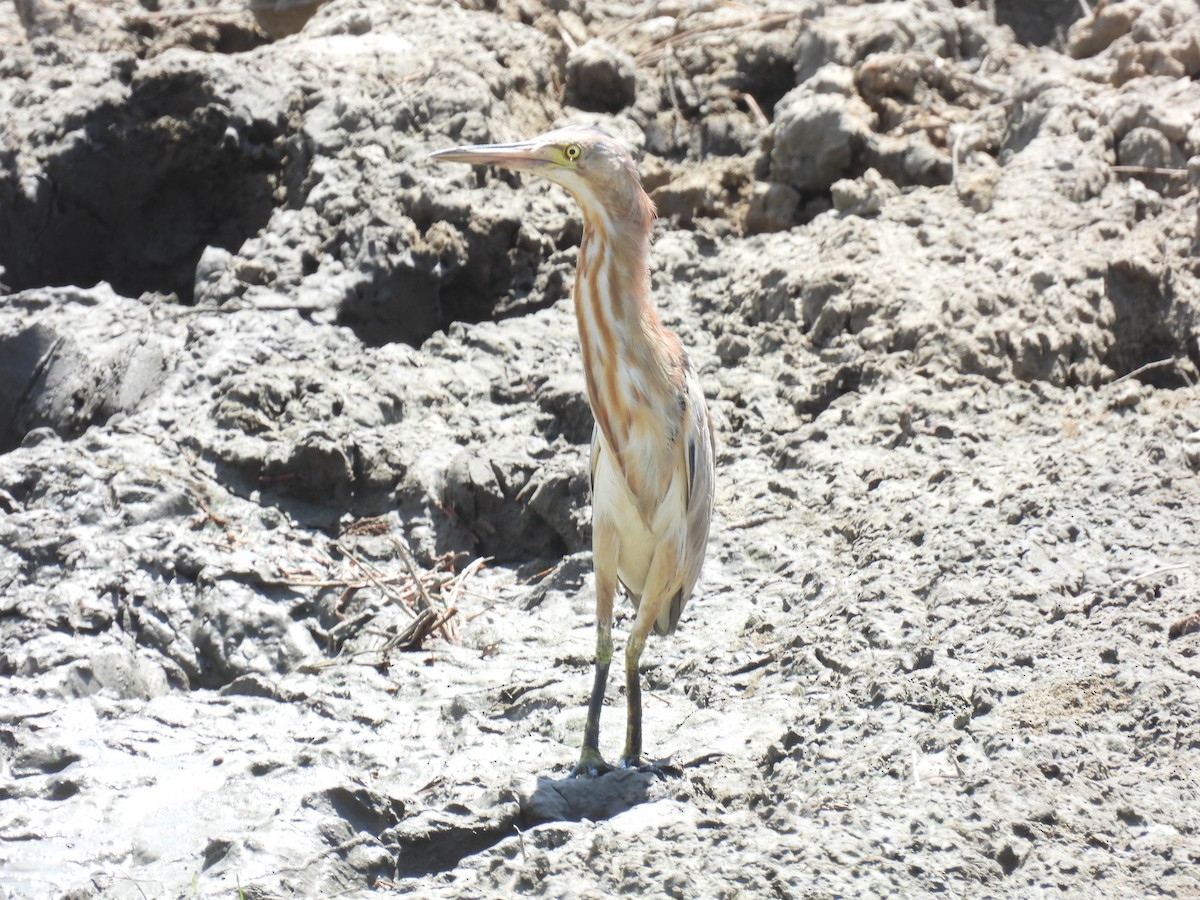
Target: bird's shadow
{"points": [[571, 799]]}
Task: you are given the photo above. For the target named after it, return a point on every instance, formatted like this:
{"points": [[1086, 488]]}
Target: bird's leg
{"points": [[632, 757], [604, 547], [661, 585], [590, 760]]}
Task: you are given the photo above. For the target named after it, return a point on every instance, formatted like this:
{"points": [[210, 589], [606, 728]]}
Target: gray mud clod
{"points": [[295, 572]]}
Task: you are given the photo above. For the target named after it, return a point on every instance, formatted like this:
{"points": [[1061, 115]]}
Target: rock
{"points": [[816, 139], [280, 18], [977, 189], [1191, 449], [76, 359], [772, 208], [708, 191], [864, 196], [87, 23], [732, 348], [1092, 34], [1144, 147], [816, 48], [564, 398], [510, 515], [731, 133], [600, 77], [909, 160]]}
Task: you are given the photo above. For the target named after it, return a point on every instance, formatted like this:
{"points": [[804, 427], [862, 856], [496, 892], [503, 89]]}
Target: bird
{"points": [[652, 464]]}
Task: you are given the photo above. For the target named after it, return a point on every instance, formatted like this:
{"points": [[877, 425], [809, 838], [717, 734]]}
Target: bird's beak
{"points": [[525, 156]]}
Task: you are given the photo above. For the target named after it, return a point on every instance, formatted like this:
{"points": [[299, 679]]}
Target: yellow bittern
{"points": [[652, 468]]}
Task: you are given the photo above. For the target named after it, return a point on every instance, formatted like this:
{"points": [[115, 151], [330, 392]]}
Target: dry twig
{"points": [[430, 597], [1148, 367], [1152, 574], [1150, 170], [759, 21]]}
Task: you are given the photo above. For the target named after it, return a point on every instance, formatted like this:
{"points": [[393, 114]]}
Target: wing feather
{"points": [[697, 447]]}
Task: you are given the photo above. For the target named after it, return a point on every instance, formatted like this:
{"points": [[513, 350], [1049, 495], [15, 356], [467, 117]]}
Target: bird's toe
{"points": [[641, 765], [591, 764]]}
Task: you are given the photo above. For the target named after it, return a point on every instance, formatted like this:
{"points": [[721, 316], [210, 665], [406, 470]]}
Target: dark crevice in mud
{"points": [[24, 360], [444, 850], [552, 800], [846, 380], [766, 76], [1007, 859], [315, 481], [313, 496], [1038, 23], [139, 189], [405, 306], [1146, 343], [506, 515], [527, 306], [362, 809], [410, 306], [488, 272], [49, 380]]}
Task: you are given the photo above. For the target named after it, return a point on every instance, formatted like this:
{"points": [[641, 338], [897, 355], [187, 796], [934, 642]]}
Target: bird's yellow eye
{"points": [[572, 152]]}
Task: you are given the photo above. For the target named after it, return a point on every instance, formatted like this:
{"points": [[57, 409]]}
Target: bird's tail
{"points": [[669, 617]]}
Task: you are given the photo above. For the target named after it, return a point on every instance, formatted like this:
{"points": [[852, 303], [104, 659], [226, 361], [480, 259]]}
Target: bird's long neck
{"points": [[632, 364], [612, 295]]}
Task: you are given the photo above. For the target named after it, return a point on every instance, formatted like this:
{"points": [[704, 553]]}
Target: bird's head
{"points": [[595, 167]]}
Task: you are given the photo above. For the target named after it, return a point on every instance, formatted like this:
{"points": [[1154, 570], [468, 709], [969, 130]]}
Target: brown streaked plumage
{"points": [[652, 468]]}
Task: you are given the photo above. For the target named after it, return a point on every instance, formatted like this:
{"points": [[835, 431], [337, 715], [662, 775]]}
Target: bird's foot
{"points": [[639, 764], [591, 763]]}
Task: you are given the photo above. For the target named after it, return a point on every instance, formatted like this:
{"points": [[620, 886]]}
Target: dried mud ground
{"points": [[277, 393]]}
